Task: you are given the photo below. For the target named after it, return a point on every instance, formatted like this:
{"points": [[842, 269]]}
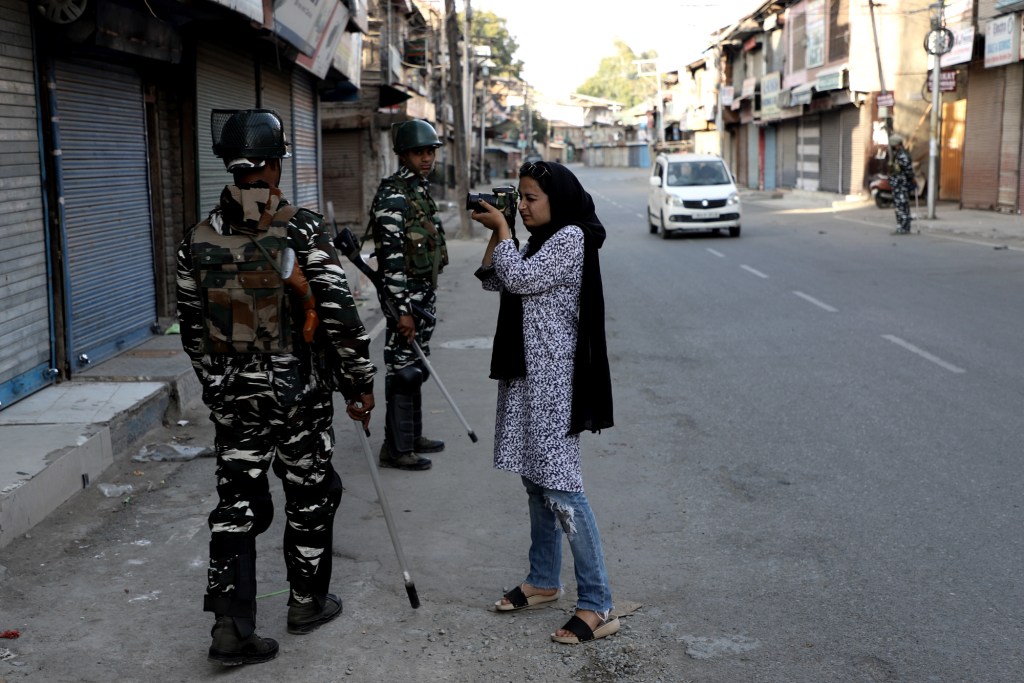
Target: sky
{"points": [[562, 42]]}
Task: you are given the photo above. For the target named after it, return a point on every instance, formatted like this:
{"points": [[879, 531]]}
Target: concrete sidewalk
{"points": [[62, 438], [999, 230]]}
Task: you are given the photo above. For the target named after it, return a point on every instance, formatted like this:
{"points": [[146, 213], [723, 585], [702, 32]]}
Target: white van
{"points": [[690, 193]]}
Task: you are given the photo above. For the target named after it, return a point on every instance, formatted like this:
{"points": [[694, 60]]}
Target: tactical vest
{"points": [[245, 302], [425, 251]]}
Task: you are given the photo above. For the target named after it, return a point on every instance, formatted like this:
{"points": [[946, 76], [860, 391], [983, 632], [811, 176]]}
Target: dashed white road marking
{"points": [[754, 271], [819, 304], [716, 253], [924, 354]]}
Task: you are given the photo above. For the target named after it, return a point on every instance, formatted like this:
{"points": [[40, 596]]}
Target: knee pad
{"points": [[407, 380], [423, 369]]}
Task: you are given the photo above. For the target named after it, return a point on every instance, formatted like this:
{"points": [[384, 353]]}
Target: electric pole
{"points": [[456, 87]]}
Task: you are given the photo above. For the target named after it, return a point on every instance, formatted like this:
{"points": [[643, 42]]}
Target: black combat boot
{"points": [[403, 461], [306, 618], [231, 649], [422, 444]]}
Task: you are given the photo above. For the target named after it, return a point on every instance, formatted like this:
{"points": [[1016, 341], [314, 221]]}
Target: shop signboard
{"points": [[726, 95], [749, 87], [947, 81], [1002, 41], [303, 22], [327, 46], [770, 85], [963, 46]]}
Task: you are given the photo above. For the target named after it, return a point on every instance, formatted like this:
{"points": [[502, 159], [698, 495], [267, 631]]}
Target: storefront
{"points": [[26, 297]]}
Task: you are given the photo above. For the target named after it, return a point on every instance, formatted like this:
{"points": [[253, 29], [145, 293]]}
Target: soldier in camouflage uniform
{"points": [[901, 179], [270, 326], [411, 251]]}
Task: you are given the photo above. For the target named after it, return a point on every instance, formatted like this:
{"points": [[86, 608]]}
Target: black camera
{"points": [[504, 199]]}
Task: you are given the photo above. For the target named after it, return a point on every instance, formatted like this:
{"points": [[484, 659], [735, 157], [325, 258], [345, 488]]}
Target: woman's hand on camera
{"points": [[490, 217]]}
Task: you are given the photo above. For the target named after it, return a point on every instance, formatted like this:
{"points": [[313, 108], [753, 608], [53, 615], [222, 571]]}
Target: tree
{"points": [[616, 78], [490, 29]]}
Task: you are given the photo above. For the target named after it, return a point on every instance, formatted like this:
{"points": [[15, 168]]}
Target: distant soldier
{"points": [[411, 251], [270, 326], [901, 179]]}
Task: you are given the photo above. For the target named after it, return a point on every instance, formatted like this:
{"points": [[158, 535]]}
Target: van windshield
{"points": [[686, 173]]}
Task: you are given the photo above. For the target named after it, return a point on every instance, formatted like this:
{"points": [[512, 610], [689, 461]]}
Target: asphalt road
{"points": [[814, 476]]}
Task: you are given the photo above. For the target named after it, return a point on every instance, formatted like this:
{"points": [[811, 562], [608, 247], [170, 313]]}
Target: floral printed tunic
{"points": [[531, 429]]}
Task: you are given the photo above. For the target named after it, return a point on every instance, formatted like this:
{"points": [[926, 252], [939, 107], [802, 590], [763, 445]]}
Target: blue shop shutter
{"points": [[104, 175]]}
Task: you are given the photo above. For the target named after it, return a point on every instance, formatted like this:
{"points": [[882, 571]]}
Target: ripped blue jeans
{"points": [[553, 512]]}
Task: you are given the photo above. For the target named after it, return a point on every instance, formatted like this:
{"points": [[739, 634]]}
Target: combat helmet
{"points": [[245, 138], [414, 134]]}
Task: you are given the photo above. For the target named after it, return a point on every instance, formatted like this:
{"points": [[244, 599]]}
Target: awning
{"points": [[801, 94], [830, 79], [390, 95]]}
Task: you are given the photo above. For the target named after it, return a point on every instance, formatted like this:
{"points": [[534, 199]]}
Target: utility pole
{"points": [[483, 119], [456, 88], [881, 75], [938, 35]]}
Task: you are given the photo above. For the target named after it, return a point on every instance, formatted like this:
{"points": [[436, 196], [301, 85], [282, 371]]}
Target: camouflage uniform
{"points": [[901, 179], [409, 267], [274, 404]]}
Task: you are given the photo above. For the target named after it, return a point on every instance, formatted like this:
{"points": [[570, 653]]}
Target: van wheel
{"points": [[665, 234], [651, 224], [734, 232]]}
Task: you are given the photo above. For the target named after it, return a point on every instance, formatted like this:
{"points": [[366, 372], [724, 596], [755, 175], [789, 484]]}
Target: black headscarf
{"points": [[592, 386]]}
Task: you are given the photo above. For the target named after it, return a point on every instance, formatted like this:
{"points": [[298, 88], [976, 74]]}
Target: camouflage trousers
{"points": [[901, 200], [254, 433], [398, 353]]}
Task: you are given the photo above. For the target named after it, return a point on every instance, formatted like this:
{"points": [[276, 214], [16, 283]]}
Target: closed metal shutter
{"points": [[1009, 175], [307, 136], [808, 153], [769, 157], [343, 177], [753, 157], [984, 130], [224, 80], [276, 94], [104, 178], [787, 154], [25, 346], [854, 124], [742, 154], [831, 151]]}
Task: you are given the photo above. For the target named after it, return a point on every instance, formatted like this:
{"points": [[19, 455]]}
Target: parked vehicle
{"points": [[692, 193], [881, 190]]}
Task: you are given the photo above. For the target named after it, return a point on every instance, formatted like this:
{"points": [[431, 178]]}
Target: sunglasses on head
{"points": [[533, 170]]}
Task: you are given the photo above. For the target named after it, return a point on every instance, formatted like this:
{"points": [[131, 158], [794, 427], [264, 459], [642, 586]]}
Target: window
{"points": [[799, 44], [838, 30]]}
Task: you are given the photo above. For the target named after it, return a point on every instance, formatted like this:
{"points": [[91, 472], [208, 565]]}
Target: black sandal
{"points": [[582, 633], [519, 601]]}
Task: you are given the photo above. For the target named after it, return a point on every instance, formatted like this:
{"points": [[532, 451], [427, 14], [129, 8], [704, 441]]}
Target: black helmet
{"points": [[241, 136], [413, 134]]}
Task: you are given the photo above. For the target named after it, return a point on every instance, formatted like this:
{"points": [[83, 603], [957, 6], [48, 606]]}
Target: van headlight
{"points": [[676, 201], [734, 199]]}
